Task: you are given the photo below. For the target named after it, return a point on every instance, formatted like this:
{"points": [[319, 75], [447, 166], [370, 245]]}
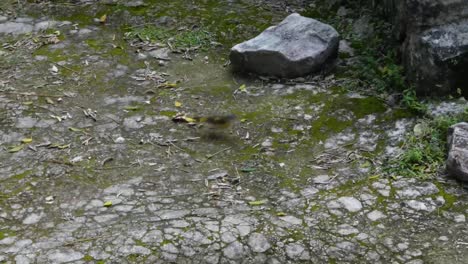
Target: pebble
{"points": [[459, 218], [291, 220], [235, 250], [15, 28], [375, 215], [32, 219], [294, 250], [64, 256], [258, 243], [346, 230], [418, 205], [350, 203]]}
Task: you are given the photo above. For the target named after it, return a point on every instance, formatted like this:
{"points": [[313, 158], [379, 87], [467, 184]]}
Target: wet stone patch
{"points": [[93, 169]]}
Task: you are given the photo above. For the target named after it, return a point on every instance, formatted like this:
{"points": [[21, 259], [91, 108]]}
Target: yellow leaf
{"points": [[74, 129], [255, 203], [63, 146], [49, 101], [56, 117], [103, 18], [26, 140], [189, 119], [281, 214], [243, 88], [28, 103], [55, 145], [167, 85], [177, 104], [15, 148], [131, 108], [108, 204]]}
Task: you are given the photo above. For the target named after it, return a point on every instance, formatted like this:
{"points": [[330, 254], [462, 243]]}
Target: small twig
{"points": [[114, 167], [67, 68], [176, 146], [216, 153], [33, 94], [60, 162]]}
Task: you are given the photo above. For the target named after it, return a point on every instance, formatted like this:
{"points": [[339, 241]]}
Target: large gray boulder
{"points": [[295, 47], [435, 43], [457, 161]]}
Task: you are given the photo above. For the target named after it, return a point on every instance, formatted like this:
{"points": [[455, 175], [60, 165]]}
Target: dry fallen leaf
{"points": [[26, 140], [177, 104], [15, 148], [131, 108], [256, 203], [103, 18]]}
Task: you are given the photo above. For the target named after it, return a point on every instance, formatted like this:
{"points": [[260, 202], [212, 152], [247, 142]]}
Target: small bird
{"points": [[217, 122]]}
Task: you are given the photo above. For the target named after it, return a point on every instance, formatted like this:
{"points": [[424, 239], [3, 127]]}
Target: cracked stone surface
{"points": [[94, 170]]}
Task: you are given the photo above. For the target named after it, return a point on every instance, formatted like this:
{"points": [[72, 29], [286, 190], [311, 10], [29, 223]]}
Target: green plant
{"points": [[424, 151], [411, 101], [175, 38]]}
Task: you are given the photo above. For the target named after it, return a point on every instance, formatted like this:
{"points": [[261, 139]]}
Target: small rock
{"points": [[235, 250], [345, 48], [459, 218], [15, 28], [267, 143], [170, 248], [415, 261], [119, 140], [346, 230], [375, 215], [321, 179], [457, 161], [258, 243], [84, 31], [133, 249], [41, 58], [291, 220], [294, 250], [228, 237], [32, 219], [443, 238], [20, 259], [402, 246], [45, 25], [160, 54], [350, 203], [134, 3], [105, 218], [419, 206], [408, 193], [141, 56], [64, 256]]}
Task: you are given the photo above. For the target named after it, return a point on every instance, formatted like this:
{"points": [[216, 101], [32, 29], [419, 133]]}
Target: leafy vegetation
{"points": [[378, 71], [424, 151], [178, 39]]}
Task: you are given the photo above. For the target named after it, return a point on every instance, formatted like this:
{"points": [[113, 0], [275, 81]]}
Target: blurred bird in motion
{"points": [[217, 122]]}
